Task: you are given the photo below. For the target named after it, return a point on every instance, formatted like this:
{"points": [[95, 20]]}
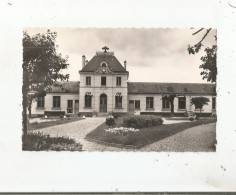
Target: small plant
{"points": [[61, 116], [191, 118], [110, 121]]}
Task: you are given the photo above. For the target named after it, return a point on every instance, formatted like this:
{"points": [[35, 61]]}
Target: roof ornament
{"points": [[105, 49]]}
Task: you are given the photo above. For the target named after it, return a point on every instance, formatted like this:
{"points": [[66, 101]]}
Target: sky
{"points": [[152, 55]]}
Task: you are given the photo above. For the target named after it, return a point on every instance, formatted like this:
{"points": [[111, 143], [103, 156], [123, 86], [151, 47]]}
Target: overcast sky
{"points": [[152, 55]]}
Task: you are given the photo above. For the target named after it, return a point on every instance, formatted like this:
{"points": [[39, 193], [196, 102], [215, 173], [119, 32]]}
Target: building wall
{"points": [[158, 103], [48, 103], [110, 90]]}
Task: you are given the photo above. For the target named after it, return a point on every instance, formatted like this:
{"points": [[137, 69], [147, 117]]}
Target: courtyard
{"points": [[198, 136]]}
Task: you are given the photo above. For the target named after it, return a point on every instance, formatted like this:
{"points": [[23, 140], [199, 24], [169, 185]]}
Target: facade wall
{"points": [[48, 103], [110, 90], [157, 107]]}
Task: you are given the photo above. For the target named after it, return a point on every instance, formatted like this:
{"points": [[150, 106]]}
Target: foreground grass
{"points": [[144, 136], [35, 126]]}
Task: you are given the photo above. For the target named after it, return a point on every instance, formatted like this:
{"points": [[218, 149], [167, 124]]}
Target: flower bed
{"points": [[122, 130]]}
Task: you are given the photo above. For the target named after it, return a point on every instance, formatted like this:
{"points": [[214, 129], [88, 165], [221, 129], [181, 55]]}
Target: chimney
{"points": [[125, 63], [83, 61], [86, 62]]}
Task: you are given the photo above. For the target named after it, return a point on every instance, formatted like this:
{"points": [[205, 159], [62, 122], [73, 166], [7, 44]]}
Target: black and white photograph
{"points": [[117, 97], [120, 89]]}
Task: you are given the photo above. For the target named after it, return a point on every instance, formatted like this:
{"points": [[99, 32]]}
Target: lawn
{"points": [[35, 126], [144, 136]]}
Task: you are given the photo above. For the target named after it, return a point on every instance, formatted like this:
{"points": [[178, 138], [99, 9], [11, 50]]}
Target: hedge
{"points": [[141, 121], [42, 142]]}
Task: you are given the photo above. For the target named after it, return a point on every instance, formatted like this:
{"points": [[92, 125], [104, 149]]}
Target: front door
{"points": [[103, 103], [131, 107], [76, 107]]}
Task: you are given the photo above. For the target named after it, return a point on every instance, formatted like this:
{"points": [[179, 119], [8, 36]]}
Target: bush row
{"points": [[141, 121]]}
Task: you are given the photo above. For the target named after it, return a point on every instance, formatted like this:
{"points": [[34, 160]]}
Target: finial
{"points": [[105, 49]]}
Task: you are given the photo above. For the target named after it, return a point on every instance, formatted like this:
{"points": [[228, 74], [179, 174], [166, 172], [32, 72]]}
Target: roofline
{"points": [[174, 83], [172, 93], [120, 72]]}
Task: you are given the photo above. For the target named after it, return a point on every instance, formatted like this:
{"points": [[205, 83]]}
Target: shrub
{"points": [[191, 118], [39, 141], [142, 121], [110, 121]]}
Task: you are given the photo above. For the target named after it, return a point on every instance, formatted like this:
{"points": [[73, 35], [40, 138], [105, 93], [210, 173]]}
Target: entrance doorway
{"points": [[76, 107], [103, 103], [131, 107]]}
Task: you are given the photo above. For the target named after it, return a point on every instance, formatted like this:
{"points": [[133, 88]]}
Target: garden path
{"points": [[195, 139]]}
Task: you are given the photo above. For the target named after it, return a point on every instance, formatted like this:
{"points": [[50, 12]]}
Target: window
{"points": [[56, 101], [213, 103], [165, 103], [40, 102], [149, 102], [137, 104], [88, 101], [88, 80], [104, 65], [118, 81], [182, 102], [118, 102], [69, 106], [103, 81]]}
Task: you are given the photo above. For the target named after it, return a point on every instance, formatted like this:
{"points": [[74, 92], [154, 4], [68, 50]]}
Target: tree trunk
{"points": [[29, 107], [24, 104], [200, 113], [172, 108]]}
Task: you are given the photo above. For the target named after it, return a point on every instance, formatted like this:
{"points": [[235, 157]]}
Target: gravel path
{"points": [[195, 139]]}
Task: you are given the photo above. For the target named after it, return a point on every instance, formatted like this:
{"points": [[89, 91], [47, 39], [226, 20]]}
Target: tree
{"points": [[41, 68], [209, 60], [199, 102], [171, 98]]}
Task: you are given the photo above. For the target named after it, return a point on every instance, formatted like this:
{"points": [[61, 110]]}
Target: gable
{"points": [[112, 62]]}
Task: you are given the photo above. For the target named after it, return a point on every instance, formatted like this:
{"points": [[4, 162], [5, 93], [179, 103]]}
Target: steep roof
{"points": [[66, 87], [96, 61], [159, 88]]}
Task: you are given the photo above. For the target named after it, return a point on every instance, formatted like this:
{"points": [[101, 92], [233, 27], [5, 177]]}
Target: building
{"points": [[104, 88]]}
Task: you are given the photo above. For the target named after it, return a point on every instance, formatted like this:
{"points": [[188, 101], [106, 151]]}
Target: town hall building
{"points": [[104, 89]]}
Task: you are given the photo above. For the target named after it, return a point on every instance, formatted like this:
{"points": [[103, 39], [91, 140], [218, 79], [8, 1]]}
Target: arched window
{"points": [[118, 100], [88, 100]]}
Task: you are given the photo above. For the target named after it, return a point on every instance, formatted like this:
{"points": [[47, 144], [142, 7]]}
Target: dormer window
{"points": [[104, 65]]}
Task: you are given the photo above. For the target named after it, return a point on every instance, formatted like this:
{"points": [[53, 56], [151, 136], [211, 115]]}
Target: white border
{"points": [[66, 171]]}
